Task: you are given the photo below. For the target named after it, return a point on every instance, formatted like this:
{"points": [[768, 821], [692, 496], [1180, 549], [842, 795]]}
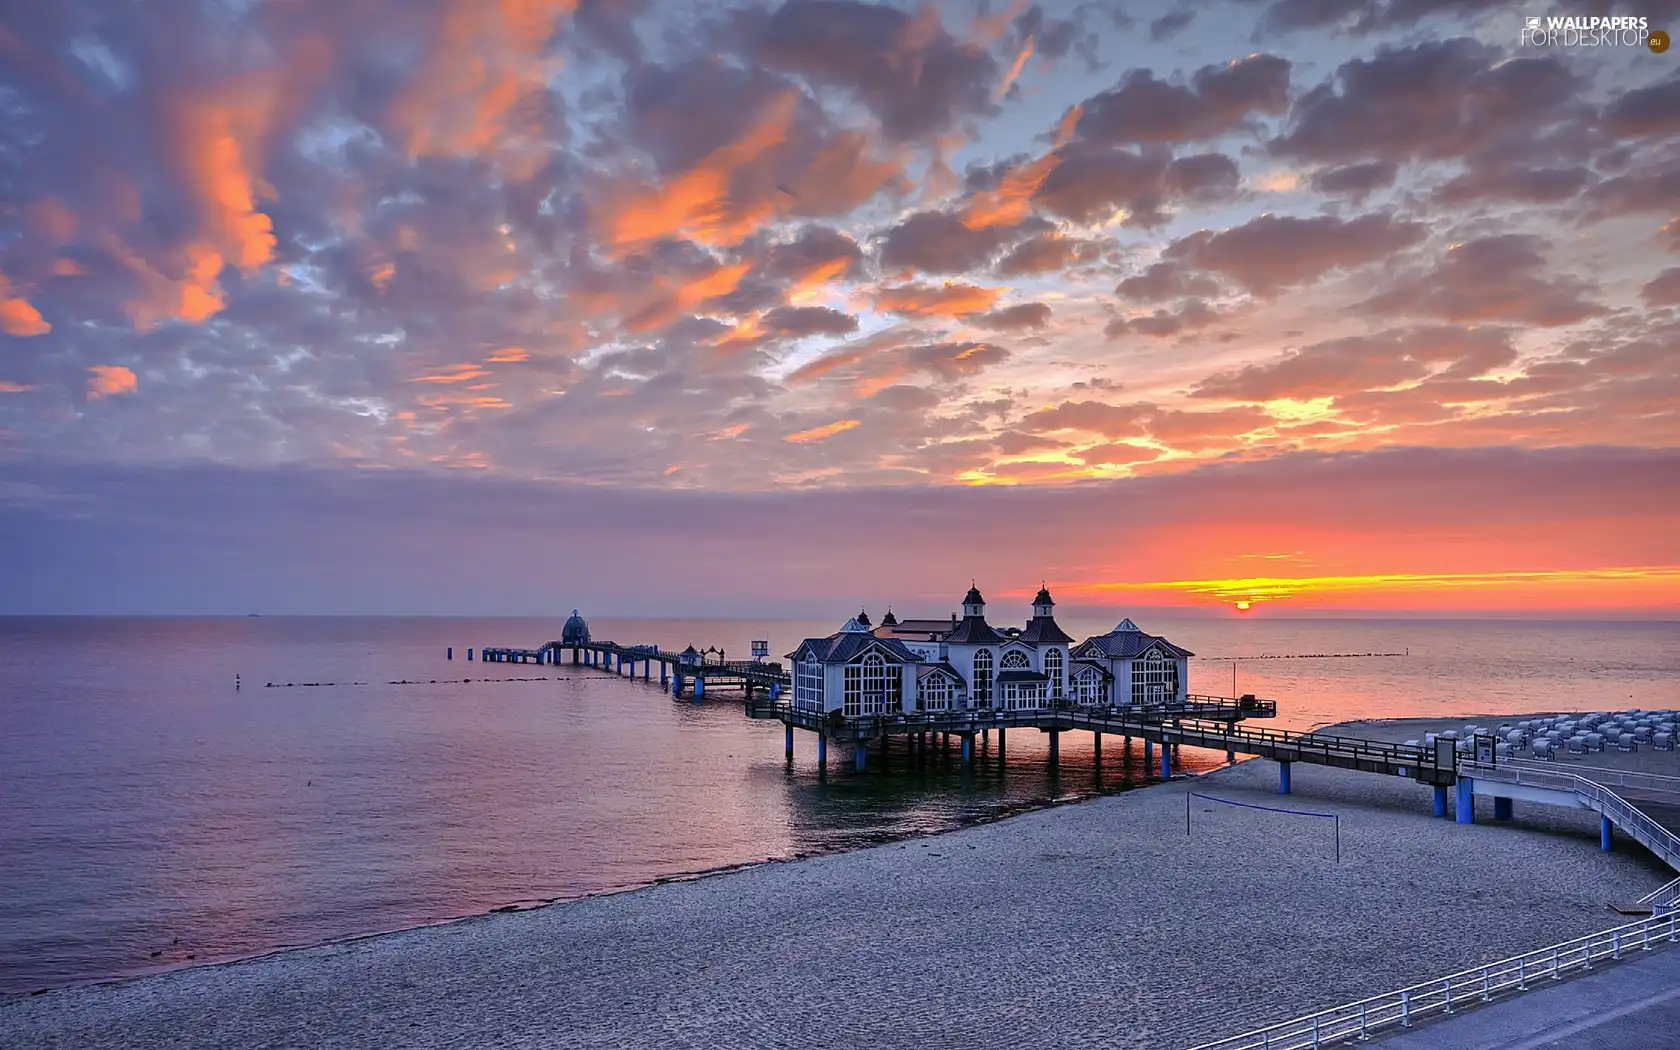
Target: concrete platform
{"points": [[1631, 1003]]}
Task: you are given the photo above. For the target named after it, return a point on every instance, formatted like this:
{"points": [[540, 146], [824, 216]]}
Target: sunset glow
{"points": [[1253, 310]]}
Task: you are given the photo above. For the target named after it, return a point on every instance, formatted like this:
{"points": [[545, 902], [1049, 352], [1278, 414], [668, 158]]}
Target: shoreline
{"points": [[532, 904], [1137, 903]]}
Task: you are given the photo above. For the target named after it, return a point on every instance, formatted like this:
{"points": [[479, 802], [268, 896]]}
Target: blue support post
{"points": [[1501, 809], [1604, 834], [664, 674], [1283, 777], [1055, 745], [676, 685], [647, 669], [775, 691], [1166, 764], [699, 688], [790, 743], [1096, 746], [860, 756], [968, 749], [1148, 752], [1466, 800], [1440, 800], [822, 751]]}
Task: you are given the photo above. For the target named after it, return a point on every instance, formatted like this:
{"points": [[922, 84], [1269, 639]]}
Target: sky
{"points": [[510, 306]]}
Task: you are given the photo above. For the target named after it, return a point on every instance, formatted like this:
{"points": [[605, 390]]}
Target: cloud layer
{"points": [[829, 245]]}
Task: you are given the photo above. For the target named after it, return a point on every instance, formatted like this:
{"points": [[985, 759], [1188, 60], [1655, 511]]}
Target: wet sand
{"points": [[1096, 924]]}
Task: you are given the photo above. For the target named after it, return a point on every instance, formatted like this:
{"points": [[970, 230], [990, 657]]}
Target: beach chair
{"points": [[1595, 741], [1543, 750], [1662, 741], [1576, 745]]}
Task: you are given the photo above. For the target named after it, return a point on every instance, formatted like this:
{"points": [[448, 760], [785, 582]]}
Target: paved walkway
{"points": [[1631, 1003]]}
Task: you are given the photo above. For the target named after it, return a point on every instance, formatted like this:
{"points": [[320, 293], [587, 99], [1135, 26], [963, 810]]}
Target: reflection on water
{"points": [[154, 816]]}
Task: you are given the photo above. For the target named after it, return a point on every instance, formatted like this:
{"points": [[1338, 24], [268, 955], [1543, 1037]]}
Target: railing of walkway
{"points": [[1622, 813], [1652, 783], [1443, 995], [1664, 898]]}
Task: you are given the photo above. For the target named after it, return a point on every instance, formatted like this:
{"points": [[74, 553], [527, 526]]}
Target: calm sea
{"points": [[153, 816]]}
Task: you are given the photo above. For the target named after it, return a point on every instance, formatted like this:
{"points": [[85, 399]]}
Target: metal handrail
{"points": [[1654, 782], [1357, 1020], [1630, 818], [1663, 898]]}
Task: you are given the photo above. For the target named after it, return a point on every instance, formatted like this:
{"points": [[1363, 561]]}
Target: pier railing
{"points": [[1624, 814], [1444, 995], [1647, 783]]}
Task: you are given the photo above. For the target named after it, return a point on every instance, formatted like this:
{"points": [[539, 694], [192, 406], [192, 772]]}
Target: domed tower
{"points": [[889, 620], [576, 631], [863, 618], [973, 604]]}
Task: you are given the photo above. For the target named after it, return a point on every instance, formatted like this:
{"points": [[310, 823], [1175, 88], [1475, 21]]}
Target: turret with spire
{"points": [[1042, 629]]}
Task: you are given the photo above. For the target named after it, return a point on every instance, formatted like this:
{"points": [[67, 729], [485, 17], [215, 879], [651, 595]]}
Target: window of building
{"points": [[982, 680], [1154, 678], [853, 696], [808, 685], [1088, 687], [935, 693], [1053, 668], [882, 686], [1015, 661]]}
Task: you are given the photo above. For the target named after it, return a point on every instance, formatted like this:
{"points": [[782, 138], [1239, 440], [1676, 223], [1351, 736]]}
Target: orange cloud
{"points": [[17, 317], [1014, 73], [13, 388], [1011, 201], [485, 60], [698, 203], [109, 381], [462, 373], [673, 298], [949, 300], [508, 355], [806, 437]]}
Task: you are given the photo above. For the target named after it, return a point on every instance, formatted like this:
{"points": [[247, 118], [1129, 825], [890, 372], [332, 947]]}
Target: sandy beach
{"points": [[1096, 924]]}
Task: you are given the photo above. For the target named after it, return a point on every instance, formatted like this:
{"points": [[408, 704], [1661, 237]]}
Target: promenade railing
{"points": [[1402, 1007]]}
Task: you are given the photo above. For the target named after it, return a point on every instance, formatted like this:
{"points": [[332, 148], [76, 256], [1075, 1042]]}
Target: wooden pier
{"points": [[1210, 722], [677, 671]]}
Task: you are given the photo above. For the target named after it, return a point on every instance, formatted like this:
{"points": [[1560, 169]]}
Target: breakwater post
{"points": [[1283, 777], [449, 653]]}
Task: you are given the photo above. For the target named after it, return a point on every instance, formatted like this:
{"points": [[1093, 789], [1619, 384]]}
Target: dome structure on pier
{"points": [[576, 631]]}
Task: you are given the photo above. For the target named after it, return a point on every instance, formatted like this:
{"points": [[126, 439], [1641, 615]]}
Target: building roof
{"points": [[575, 631], [1081, 666], [1017, 676], [920, 626], [973, 597], [862, 617], [940, 668], [889, 620], [846, 646], [972, 630], [1043, 597], [1043, 630], [1127, 641]]}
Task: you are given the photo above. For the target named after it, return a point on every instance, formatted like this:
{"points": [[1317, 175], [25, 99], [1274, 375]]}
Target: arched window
{"points": [[982, 680], [934, 694], [1053, 668], [1154, 678], [808, 685], [1088, 686], [883, 686], [1015, 661]]}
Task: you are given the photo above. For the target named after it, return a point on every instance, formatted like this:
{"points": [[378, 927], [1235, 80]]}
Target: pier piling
{"points": [[449, 653], [1466, 800], [1166, 767], [790, 742], [1440, 800], [1501, 809], [860, 756], [1096, 747], [822, 752], [1283, 777], [1055, 746], [1604, 842]]}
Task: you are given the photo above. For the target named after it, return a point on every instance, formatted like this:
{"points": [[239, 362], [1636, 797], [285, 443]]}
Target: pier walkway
{"points": [[676, 670]]}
